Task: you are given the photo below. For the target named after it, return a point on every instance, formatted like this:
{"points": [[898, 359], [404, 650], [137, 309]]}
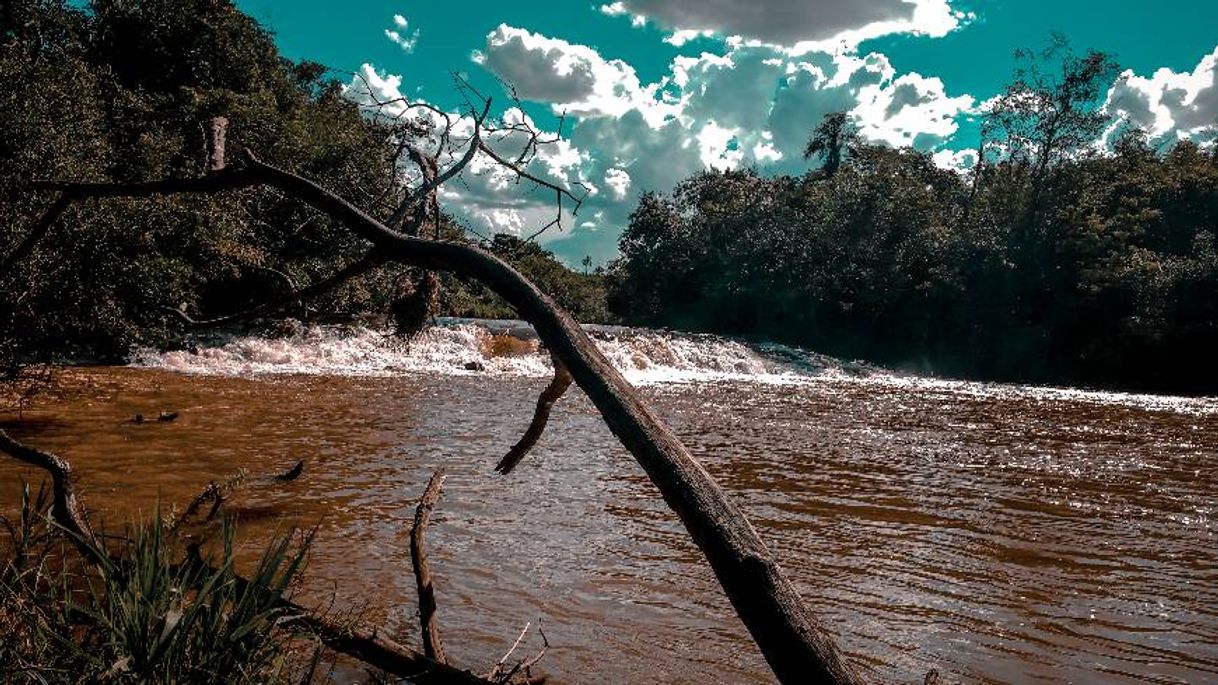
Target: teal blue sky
{"points": [[645, 110], [346, 35]]}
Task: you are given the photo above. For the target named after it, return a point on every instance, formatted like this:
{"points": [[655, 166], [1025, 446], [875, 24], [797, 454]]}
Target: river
{"points": [[999, 533]]}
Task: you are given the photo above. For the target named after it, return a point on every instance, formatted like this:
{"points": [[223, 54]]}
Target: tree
{"points": [[1054, 262], [1052, 108], [835, 137]]}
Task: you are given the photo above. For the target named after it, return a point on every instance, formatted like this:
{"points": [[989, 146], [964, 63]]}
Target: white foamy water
{"points": [[467, 348], [645, 357]]}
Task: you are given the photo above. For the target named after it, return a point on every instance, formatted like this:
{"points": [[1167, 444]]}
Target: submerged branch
{"points": [[432, 646], [216, 493], [541, 415]]}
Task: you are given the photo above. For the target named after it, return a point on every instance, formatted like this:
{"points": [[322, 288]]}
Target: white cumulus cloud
{"points": [[399, 33], [751, 105], [1169, 105], [573, 78], [800, 25]]}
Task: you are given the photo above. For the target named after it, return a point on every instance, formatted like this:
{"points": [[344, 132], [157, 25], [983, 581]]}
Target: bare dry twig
{"points": [[502, 673]]}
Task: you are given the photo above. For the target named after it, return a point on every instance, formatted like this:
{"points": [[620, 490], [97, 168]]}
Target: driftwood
{"points": [[432, 646], [65, 509], [545, 402], [217, 492], [796, 646]]}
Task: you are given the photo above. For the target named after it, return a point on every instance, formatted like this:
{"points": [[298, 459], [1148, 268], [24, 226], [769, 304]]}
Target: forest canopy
{"points": [[124, 91], [1049, 261]]}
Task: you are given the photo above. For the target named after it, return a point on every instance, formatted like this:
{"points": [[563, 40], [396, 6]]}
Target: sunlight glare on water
{"points": [[997, 533]]}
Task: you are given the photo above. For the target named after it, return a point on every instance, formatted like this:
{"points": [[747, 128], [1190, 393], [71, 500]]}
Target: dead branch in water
{"points": [[432, 646], [796, 646], [216, 493], [541, 415], [65, 509]]}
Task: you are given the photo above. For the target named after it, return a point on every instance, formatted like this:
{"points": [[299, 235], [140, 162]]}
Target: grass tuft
{"points": [[152, 612]]}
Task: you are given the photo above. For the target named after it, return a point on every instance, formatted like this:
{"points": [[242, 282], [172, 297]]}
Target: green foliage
{"points": [[1093, 269], [833, 139], [1051, 109], [124, 91], [143, 616]]}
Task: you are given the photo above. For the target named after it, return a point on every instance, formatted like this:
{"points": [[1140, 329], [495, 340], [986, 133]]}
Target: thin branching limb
{"points": [[502, 674]]}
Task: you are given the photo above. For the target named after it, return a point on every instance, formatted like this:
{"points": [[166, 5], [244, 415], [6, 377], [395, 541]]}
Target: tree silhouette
{"points": [[835, 134], [1052, 108]]}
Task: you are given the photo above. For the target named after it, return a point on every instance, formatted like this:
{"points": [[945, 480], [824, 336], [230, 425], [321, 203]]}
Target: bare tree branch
{"points": [[65, 510], [797, 647], [502, 674], [545, 402], [429, 186], [432, 646], [559, 191]]}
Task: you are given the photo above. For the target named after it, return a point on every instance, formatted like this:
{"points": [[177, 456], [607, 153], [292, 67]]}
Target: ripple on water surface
{"points": [[998, 533]]}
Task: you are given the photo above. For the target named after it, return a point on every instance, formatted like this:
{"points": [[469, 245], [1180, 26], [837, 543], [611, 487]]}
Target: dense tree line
{"points": [[123, 90], [1050, 261]]}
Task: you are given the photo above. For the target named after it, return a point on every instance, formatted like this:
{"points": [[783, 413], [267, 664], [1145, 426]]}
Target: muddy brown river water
{"points": [[998, 533]]}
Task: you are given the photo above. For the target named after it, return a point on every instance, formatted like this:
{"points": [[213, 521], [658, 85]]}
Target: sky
{"points": [[649, 92]]}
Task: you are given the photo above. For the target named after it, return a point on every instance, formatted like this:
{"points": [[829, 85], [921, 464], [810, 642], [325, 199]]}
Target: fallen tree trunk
{"points": [[796, 647]]}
